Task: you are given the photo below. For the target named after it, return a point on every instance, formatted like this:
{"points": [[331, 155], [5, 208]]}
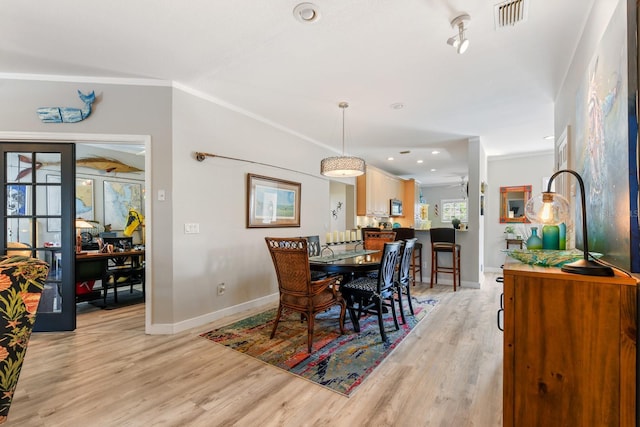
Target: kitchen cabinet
{"points": [[409, 202], [569, 348], [374, 191]]}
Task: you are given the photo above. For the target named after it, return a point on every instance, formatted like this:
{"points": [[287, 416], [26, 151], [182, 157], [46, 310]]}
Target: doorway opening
{"points": [[111, 140], [109, 183]]}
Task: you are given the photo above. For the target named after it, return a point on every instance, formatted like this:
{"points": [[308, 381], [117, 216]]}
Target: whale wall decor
{"points": [[68, 114]]}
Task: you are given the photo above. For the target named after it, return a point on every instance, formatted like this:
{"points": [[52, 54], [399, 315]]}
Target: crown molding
{"points": [[87, 79]]}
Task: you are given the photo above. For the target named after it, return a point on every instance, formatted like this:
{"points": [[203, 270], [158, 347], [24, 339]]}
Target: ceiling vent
{"points": [[510, 12]]}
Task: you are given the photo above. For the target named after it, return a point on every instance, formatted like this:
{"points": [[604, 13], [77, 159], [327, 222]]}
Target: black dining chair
{"points": [[368, 295], [313, 247], [404, 233], [403, 283]]}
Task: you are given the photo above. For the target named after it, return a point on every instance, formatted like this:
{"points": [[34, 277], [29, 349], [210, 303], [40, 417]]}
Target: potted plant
{"points": [[509, 230], [456, 223]]}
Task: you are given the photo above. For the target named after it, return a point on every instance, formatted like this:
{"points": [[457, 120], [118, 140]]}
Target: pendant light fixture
{"points": [[342, 166]]}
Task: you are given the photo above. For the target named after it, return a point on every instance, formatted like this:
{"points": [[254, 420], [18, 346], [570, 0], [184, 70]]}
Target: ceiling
{"points": [[374, 54]]}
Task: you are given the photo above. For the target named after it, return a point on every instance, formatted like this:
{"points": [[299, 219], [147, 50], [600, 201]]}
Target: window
{"points": [[454, 208]]}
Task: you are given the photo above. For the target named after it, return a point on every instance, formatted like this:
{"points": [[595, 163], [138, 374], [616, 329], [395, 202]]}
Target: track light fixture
{"points": [[459, 41]]}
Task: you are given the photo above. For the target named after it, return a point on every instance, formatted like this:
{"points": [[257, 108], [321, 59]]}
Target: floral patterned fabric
{"points": [[21, 282]]}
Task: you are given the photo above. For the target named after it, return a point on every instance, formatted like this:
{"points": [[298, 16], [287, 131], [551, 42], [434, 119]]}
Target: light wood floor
{"points": [[447, 372]]}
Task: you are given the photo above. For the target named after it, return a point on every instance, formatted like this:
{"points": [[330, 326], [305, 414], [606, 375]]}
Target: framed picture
{"points": [[272, 202], [84, 201], [17, 200], [119, 197], [84, 198]]}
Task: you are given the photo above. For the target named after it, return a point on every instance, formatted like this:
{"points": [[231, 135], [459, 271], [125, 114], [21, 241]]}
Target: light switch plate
{"points": [[191, 228]]}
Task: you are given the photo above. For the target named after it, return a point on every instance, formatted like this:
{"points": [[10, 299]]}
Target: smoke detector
{"points": [[306, 12]]}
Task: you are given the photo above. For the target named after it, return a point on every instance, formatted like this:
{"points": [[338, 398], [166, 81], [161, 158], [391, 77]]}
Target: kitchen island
{"points": [[463, 237]]}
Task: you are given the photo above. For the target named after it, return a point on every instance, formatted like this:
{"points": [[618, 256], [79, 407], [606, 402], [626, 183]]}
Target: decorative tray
{"points": [[547, 257]]}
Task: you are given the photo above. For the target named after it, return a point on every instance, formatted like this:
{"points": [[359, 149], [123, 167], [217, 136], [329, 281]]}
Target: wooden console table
{"points": [[569, 348]]}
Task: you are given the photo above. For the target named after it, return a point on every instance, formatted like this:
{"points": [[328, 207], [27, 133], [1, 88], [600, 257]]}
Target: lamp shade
{"points": [[342, 167], [548, 208], [463, 46], [81, 223]]}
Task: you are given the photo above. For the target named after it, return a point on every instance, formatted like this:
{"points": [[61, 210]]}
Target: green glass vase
{"points": [[534, 242], [562, 238], [551, 237]]}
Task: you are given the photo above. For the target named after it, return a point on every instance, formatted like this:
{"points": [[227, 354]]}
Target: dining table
{"points": [[347, 262]]}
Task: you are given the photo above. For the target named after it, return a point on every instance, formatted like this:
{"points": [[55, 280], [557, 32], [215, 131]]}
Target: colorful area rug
{"points": [[338, 362]]}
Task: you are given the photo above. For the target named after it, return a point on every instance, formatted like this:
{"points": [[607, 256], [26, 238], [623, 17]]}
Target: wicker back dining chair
{"points": [[369, 295], [403, 282], [298, 292]]}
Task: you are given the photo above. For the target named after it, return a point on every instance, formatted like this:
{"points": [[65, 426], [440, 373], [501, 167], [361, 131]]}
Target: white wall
{"points": [[507, 172], [338, 195], [565, 103], [187, 268], [212, 193], [119, 109]]}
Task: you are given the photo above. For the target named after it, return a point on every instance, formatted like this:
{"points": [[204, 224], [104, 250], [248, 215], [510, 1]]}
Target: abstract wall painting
{"points": [[606, 146]]}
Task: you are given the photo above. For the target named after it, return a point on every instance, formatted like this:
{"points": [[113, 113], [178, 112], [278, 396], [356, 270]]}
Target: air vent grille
{"points": [[511, 12]]}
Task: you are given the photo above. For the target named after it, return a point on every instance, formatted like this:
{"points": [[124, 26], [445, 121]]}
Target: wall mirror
{"points": [[512, 203]]}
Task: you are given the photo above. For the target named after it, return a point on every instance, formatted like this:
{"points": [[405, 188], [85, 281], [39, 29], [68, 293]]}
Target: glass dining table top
{"points": [[351, 261], [341, 255]]}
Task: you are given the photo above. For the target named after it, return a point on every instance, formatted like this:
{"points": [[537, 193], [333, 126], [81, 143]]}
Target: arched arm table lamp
{"points": [[552, 209]]}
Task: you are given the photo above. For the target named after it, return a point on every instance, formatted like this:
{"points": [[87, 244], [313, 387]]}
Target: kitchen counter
{"points": [[462, 238]]}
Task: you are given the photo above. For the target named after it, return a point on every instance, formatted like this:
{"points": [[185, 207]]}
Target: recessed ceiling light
{"points": [[420, 161], [397, 106], [433, 170], [306, 12], [389, 158], [435, 152]]}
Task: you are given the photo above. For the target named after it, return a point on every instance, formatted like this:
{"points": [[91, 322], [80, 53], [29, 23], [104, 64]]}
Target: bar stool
{"points": [[416, 262], [443, 240]]}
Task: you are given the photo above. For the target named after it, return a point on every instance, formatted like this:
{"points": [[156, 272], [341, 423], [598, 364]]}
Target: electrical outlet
{"points": [[221, 288]]}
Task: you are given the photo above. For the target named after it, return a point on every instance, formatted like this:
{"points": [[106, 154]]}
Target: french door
{"points": [[39, 190]]}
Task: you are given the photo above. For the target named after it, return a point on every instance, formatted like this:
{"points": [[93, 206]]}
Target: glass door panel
{"points": [[39, 191]]}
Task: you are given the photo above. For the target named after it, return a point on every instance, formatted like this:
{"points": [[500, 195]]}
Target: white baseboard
{"points": [[173, 328]]}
